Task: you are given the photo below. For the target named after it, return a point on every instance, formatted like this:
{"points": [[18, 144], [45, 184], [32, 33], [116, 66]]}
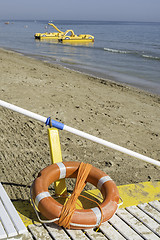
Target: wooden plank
{"points": [[124, 229], [153, 213], [145, 219], [95, 235], [6, 222], [38, 232], [26, 236], [2, 232], [111, 232], [77, 234], [138, 226], [155, 204], [19, 225], [56, 231]]}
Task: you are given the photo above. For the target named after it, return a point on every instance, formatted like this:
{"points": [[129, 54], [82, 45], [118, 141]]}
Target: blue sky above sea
{"points": [[103, 10]]}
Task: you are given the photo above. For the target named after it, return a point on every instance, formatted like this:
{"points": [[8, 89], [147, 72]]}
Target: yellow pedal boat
{"points": [[72, 37], [51, 35]]}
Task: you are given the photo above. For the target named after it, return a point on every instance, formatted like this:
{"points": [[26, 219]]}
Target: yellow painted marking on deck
{"points": [[56, 156], [25, 211], [132, 194]]}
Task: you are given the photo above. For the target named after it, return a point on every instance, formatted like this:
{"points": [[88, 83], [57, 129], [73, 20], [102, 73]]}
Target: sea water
{"points": [[127, 52]]}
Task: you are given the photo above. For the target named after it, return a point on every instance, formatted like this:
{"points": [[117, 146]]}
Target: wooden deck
{"points": [[132, 222]]}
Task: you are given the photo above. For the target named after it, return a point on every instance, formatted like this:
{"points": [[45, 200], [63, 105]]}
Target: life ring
{"points": [[81, 218]]}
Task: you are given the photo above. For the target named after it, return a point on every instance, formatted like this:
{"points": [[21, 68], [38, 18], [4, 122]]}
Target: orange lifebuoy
{"points": [[81, 218]]}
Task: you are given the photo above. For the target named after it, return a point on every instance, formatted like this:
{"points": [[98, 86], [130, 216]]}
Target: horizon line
{"points": [[80, 20]]}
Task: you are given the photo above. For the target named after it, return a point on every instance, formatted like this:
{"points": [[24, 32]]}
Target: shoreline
{"points": [[121, 114], [150, 88], [114, 77], [117, 80]]}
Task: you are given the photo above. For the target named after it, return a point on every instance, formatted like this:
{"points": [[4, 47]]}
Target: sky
{"points": [[107, 10]]}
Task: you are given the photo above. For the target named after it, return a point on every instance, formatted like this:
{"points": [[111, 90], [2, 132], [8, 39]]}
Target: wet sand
{"points": [[115, 112]]}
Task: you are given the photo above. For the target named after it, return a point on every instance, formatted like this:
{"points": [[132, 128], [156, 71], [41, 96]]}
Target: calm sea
{"points": [[127, 52]]}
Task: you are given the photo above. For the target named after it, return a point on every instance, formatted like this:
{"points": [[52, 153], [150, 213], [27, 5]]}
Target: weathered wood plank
{"points": [[152, 212], [95, 235], [145, 219], [39, 232], [155, 204], [56, 232], [111, 232], [138, 226], [77, 234], [25, 236], [124, 229]]}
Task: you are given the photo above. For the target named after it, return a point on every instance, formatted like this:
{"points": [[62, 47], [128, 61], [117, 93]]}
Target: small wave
{"points": [[116, 50], [151, 57]]}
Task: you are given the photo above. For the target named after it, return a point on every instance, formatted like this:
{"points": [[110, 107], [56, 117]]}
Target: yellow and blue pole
{"points": [[61, 126], [56, 157]]}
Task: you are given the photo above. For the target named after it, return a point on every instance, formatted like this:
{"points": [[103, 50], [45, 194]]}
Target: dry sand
{"points": [[117, 113]]}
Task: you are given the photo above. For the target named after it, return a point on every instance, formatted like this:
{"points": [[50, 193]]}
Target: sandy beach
{"points": [[115, 112]]}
